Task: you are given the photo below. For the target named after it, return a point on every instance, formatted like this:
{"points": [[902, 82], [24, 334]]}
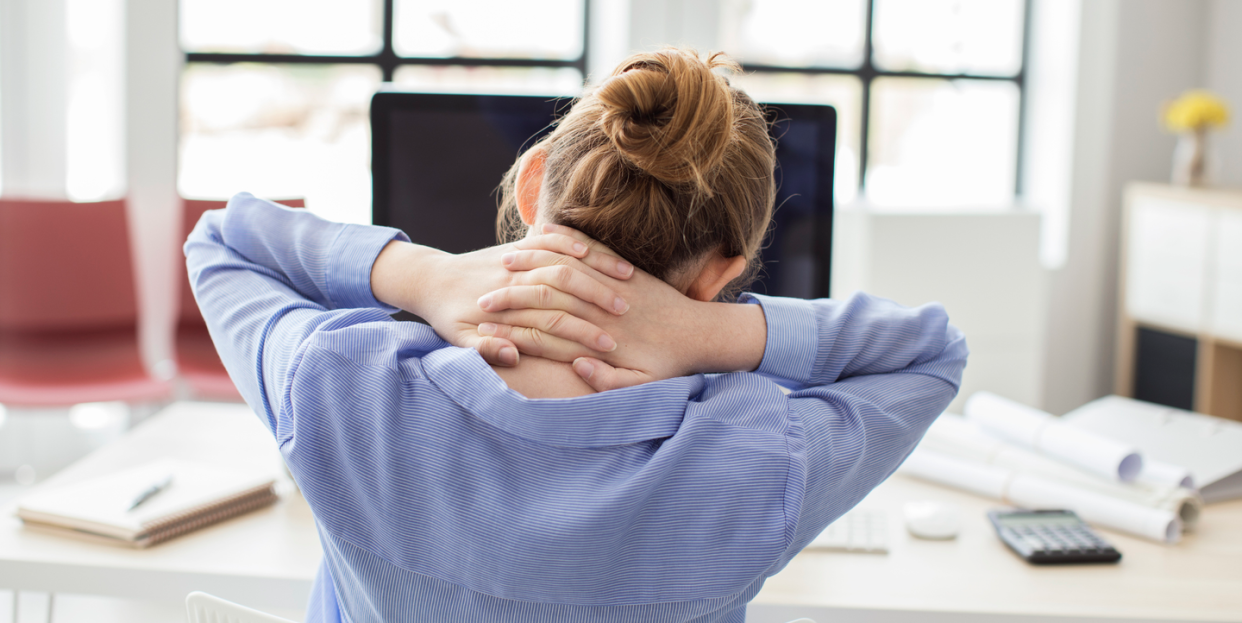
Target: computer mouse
{"points": [[932, 520]]}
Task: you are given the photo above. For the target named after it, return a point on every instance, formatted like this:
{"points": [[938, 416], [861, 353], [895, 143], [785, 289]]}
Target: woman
{"points": [[446, 489]]}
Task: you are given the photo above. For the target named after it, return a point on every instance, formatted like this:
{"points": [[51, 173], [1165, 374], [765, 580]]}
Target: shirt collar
{"points": [[617, 417]]}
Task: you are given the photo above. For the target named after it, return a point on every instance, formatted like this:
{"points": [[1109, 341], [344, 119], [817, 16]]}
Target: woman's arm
{"points": [[267, 277]]}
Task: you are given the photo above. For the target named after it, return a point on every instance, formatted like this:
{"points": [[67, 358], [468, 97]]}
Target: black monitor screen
{"points": [[437, 160]]}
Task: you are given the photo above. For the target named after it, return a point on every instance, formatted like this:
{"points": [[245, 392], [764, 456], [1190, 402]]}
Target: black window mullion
{"points": [[586, 40], [1019, 178], [867, 75], [874, 72], [373, 59], [225, 58], [388, 55]]}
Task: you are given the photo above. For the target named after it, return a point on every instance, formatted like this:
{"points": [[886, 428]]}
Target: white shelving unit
{"points": [[1181, 275]]}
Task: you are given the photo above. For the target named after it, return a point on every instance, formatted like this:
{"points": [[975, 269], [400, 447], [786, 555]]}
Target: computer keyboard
{"points": [[863, 531]]}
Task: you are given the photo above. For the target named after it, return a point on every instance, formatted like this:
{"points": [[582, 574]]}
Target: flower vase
{"points": [[1190, 158]]}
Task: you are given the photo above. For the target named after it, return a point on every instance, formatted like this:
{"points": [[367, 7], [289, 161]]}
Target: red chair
{"points": [[198, 363], [68, 307]]}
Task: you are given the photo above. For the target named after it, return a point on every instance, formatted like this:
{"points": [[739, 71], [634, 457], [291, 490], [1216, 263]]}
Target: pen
{"points": [[151, 491]]}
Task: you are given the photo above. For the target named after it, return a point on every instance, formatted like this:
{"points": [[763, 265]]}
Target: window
{"points": [[928, 92], [275, 93]]}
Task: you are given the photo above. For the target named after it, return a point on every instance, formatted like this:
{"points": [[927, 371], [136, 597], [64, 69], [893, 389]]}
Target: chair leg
{"points": [[16, 614]]}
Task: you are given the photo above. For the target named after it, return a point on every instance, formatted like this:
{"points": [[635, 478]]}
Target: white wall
{"points": [[983, 266], [153, 68], [658, 23], [610, 37], [1076, 291], [1135, 55], [34, 71], [1223, 74]]}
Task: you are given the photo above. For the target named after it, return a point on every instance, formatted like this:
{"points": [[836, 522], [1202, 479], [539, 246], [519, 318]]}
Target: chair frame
{"points": [[201, 607]]}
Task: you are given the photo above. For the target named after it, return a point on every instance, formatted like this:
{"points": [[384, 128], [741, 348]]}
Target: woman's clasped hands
{"points": [[658, 336]]}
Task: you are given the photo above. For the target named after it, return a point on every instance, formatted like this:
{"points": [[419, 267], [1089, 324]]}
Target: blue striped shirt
{"points": [[442, 495]]}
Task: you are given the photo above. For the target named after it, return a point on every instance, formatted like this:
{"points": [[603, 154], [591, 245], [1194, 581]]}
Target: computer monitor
{"points": [[437, 160]]}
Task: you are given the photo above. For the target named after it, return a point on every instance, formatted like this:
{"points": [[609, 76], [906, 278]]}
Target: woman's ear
{"points": [[529, 182], [716, 273]]}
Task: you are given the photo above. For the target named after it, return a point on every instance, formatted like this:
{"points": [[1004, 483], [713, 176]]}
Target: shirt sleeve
{"points": [[867, 378], [266, 277]]}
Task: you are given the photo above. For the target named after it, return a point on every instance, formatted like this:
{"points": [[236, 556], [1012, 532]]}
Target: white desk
{"points": [[976, 578], [268, 559]]}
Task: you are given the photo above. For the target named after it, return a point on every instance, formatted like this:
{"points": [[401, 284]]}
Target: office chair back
{"points": [[68, 306], [204, 608], [65, 266]]}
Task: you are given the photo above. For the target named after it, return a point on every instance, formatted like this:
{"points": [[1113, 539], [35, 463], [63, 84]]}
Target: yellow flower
{"points": [[1194, 110]]}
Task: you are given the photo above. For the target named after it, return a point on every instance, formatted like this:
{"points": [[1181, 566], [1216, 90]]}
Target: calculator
{"points": [[1051, 537]]}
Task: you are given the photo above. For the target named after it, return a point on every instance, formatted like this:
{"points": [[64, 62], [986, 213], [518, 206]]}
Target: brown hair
{"points": [[662, 162]]}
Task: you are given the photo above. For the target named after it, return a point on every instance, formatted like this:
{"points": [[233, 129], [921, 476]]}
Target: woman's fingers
{"points": [[496, 351], [571, 242], [551, 228], [536, 343], [530, 258], [577, 283], [557, 242], [603, 377], [535, 331], [564, 279], [533, 297]]}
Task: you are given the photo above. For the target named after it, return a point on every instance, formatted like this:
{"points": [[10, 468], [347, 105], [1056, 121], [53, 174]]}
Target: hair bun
{"points": [[669, 114]]}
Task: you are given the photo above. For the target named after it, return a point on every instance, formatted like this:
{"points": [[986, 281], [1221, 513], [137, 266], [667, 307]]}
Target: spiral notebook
{"points": [[197, 496]]}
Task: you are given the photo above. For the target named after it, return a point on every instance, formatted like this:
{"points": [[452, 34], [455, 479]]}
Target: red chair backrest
{"points": [[192, 211], [65, 266]]}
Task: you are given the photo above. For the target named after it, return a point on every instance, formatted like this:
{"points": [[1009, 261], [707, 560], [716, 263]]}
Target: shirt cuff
{"points": [[793, 338], [352, 255]]}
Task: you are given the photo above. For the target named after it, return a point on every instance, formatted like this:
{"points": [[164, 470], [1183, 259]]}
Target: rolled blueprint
{"points": [[1035, 492], [1161, 473], [1031, 428], [955, 436]]}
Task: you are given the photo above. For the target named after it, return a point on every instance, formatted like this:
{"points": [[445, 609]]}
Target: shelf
{"points": [[1180, 299]]}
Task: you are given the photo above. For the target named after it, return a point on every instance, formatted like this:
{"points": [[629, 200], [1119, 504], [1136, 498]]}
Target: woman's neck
{"points": [[535, 377]]}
